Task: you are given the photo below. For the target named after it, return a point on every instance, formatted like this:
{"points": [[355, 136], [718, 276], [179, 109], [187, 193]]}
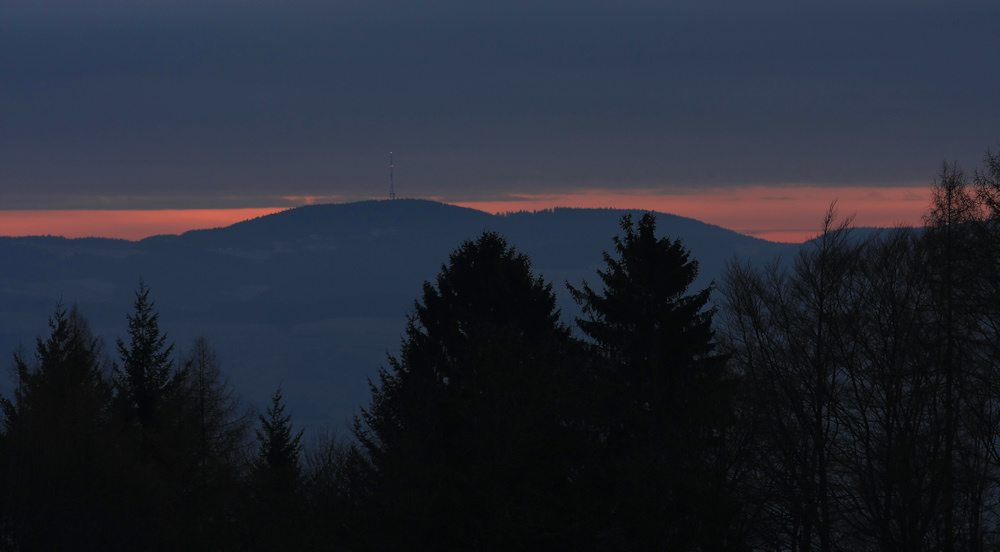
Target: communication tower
{"points": [[392, 190]]}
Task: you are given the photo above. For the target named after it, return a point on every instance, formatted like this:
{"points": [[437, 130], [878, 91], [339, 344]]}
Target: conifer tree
{"points": [[145, 375], [157, 429], [276, 482], [468, 433], [221, 423], [665, 398], [279, 446], [57, 467], [211, 443]]}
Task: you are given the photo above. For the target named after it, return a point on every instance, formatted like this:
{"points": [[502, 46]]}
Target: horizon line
{"points": [[783, 215]]}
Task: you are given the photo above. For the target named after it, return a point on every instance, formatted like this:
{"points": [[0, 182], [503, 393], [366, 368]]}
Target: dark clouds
{"points": [[187, 104]]}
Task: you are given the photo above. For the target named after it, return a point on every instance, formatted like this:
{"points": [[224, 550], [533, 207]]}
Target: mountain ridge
{"points": [[313, 298]]}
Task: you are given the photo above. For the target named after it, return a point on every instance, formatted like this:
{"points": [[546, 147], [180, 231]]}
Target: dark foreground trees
{"points": [[469, 435], [664, 398], [82, 469], [787, 333], [275, 519], [495, 429], [58, 462], [854, 404], [145, 379], [870, 401]]}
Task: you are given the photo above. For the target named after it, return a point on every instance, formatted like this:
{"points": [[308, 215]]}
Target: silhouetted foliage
{"points": [[277, 461], [276, 482], [665, 399], [145, 375], [221, 423], [212, 441], [58, 456], [74, 456], [961, 344], [332, 471], [467, 434], [853, 404], [871, 406], [787, 333]]}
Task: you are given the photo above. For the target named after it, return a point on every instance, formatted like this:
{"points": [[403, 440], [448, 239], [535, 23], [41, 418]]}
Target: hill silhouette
{"points": [[314, 297]]}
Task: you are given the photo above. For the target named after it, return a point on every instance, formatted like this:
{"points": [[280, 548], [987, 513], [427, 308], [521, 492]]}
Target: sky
{"points": [[751, 115]]}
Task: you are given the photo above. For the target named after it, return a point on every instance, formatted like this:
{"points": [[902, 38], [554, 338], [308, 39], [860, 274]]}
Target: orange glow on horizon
{"points": [[785, 214], [781, 214], [123, 224]]}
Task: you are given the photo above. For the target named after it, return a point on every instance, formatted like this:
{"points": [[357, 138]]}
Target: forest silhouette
{"points": [[848, 401]]}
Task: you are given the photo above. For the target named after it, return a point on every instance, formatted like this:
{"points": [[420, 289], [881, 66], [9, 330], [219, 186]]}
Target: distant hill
{"points": [[311, 298]]}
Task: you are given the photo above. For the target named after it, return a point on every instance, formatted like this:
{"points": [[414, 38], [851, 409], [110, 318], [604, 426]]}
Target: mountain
{"points": [[311, 299]]}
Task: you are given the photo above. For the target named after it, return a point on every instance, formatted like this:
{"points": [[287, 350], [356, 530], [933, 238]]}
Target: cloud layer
{"points": [[217, 104]]}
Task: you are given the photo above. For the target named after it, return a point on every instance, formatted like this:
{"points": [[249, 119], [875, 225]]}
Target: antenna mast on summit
{"points": [[392, 190]]}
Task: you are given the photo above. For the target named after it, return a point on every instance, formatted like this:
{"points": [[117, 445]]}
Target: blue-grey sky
{"points": [[226, 103]]}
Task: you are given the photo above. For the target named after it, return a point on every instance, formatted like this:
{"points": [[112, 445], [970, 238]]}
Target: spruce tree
{"points": [[468, 433], [145, 375], [156, 430], [664, 399], [279, 446], [59, 459], [275, 523]]}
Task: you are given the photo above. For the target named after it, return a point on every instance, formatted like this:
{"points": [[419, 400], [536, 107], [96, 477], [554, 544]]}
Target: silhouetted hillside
{"points": [[310, 298]]}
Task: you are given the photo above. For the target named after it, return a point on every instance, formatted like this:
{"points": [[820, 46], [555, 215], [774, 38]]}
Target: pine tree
{"points": [[664, 395], [145, 375], [58, 461], [279, 447], [157, 428], [276, 482], [468, 433]]}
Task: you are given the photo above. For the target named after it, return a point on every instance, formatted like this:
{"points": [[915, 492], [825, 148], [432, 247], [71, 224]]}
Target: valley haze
{"points": [[312, 299]]}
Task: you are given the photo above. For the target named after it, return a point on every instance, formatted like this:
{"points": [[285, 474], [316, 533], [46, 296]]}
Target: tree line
{"points": [[870, 382], [849, 401]]}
